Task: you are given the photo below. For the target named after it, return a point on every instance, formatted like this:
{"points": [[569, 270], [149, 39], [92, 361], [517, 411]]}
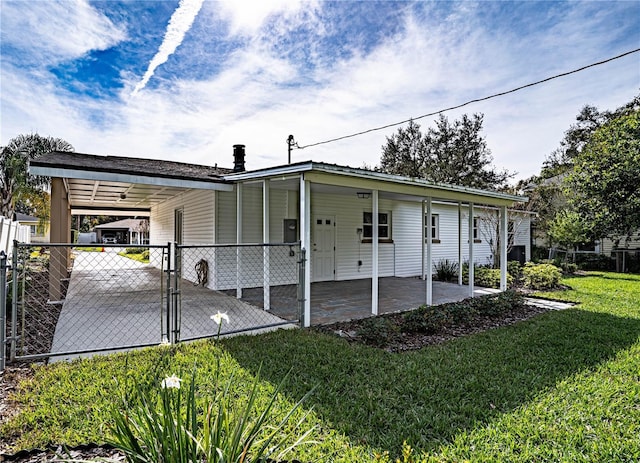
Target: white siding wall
{"points": [[607, 245]]}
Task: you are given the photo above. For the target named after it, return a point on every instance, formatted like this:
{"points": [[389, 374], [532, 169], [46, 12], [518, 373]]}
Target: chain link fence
{"points": [[64, 300], [256, 285]]}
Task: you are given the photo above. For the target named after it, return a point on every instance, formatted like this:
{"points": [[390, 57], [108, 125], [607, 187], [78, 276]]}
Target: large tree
{"points": [[605, 177], [452, 152], [16, 184]]}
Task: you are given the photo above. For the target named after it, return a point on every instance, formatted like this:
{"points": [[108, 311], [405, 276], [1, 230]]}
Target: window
{"points": [[384, 226], [435, 228], [476, 229]]}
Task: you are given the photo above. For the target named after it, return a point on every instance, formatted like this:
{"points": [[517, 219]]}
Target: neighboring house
{"points": [[352, 223], [125, 231], [38, 229]]}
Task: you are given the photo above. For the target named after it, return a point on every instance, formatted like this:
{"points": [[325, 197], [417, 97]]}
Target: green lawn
{"points": [[564, 386]]}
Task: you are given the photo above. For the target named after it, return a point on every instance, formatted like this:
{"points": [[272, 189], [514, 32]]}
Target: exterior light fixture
{"points": [[363, 194]]}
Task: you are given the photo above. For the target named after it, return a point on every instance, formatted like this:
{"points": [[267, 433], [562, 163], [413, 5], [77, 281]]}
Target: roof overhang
{"points": [[391, 185], [99, 185]]}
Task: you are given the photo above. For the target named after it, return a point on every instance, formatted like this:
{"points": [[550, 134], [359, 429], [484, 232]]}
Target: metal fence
{"points": [[63, 300]]}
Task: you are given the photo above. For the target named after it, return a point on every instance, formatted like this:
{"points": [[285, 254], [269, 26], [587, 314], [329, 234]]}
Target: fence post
{"points": [[14, 301], [177, 275], [301, 298], [167, 333], [3, 309]]}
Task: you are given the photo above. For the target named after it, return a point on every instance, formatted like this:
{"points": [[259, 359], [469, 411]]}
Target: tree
{"points": [[16, 184], [605, 178], [569, 230], [454, 153]]}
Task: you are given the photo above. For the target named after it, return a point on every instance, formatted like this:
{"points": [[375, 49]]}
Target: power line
{"points": [[495, 95]]}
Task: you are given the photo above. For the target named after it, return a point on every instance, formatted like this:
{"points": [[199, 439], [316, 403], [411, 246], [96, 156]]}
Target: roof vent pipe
{"points": [[238, 158]]}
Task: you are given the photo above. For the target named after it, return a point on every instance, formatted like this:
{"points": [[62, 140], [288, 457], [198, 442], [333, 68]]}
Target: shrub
{"points": [[569, 267], [484, 276], [378, 331], [145, 254], [460, 312], [446, 270], [541, 276], [494, 305], [426, 319], [514, 269], [135, 250]]}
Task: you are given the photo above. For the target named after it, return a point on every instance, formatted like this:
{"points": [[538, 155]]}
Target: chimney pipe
{"points": [[238, 158]]}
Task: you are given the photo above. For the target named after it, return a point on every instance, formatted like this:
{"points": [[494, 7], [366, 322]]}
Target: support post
{"points": [[265, 249], [305, 238], [424, 237], [375, 235], [238, 240], [504, 238], [460, 243], [471, 239], [429, 289], [60, 227]]}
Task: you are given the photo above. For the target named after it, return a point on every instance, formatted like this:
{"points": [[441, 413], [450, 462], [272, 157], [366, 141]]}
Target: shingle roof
{"points": [[132, 166]]}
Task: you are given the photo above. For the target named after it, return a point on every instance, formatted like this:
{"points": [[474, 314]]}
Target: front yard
{"points": [[561, 386]]}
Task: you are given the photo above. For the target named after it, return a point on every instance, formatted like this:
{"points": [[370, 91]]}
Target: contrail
{"points": [[180, 22]]}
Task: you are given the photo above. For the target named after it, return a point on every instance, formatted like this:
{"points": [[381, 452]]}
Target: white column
{"points": [[374, 253], [423, 236], [504, 238], [265, 249], [305, 238], [471, 250], [238, 240], [460, 243], [429, 255]]}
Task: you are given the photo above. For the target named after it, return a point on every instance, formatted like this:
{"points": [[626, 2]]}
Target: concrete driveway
{"points": [[114, 302]]}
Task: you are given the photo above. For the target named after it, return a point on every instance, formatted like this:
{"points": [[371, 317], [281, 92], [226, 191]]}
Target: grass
{"points": [[564, 386]]}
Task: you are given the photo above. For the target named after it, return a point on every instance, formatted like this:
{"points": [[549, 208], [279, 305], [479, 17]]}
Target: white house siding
{"points": [[607, 245], [283, 267], [198, 208]]}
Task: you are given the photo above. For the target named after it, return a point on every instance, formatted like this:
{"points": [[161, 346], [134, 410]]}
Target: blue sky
{"points": [[185, 80]]}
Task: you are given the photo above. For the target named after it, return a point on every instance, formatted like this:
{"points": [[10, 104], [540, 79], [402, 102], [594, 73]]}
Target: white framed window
{"points": [[384, 226], [435, 228], [476, 229]]}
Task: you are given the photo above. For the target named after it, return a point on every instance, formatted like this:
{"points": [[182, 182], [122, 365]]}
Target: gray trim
{"points": [[366, 174], [127, 178]]}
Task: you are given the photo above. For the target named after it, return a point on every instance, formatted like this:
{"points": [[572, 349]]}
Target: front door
{"points": [[323, 247]]}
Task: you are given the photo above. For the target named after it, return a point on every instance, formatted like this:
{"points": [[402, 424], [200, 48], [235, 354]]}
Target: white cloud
{"points": [[56, 30], [179, 24], [246, 17]]}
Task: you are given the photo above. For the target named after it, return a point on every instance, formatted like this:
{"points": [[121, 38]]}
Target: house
{"points": [[38, 229], [351, 223], [125, 231]]}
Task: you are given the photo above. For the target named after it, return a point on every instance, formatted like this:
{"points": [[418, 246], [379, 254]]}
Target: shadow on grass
{"points": [[428, 396]]}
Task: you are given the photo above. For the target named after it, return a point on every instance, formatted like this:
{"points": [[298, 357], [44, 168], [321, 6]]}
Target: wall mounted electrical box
{"points": [[290, 234]]}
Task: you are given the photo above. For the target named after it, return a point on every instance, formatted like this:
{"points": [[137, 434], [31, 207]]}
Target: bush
{"points": [[426, 319], [378, 331], [569, 267], [541, 276], [460, 312], [595, 262], [514, 269], [135, 250], [446, 270], [494, 305], [485, 276]]}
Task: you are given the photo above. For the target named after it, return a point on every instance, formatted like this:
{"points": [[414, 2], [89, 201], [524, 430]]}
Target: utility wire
{"points": [[495, 95]]}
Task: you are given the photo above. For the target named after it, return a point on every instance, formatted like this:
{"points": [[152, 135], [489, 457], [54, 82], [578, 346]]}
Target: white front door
{"points": [[323, 247]]}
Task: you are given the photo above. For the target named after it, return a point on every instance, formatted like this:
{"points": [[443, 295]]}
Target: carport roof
{"points": [[113, 184]]}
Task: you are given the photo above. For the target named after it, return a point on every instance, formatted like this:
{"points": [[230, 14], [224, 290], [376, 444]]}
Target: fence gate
{"points": [[63, 300]]}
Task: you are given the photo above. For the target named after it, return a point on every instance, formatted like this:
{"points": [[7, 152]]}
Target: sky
{"points": [[186, 80]]}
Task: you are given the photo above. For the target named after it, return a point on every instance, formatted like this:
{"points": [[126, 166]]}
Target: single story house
{"points": [[351, 223], [38, 229], [125, 231]]}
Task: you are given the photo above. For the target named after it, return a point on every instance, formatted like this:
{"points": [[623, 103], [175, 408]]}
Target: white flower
{"points": [[219, 317], [171, 382]]}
